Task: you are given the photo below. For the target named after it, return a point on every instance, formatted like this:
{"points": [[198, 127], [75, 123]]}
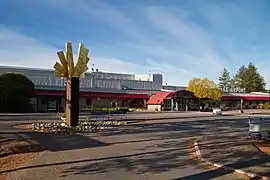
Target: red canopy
{"points": [[158, 98], [95, 94]]}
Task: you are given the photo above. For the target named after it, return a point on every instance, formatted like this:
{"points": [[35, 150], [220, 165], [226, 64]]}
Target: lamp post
{"points": [[241, 110]]}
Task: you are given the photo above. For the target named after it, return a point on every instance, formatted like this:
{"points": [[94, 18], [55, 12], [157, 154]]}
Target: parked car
{"points": [[217, 112]]}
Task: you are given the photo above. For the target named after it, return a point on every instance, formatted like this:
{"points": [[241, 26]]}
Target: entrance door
{"points": [[53, 104]]}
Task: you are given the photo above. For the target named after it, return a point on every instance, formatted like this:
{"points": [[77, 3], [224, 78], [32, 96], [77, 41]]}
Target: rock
{"points": [[83, 127]]}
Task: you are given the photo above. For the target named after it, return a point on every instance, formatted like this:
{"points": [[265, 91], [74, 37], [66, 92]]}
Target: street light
{"points": [[241, 106]]}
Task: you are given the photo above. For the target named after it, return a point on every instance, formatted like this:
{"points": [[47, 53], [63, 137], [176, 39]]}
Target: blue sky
{"points": [[180, 39]]}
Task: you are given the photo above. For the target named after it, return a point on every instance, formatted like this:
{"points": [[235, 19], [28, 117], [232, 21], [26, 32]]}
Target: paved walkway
{"points": [[130, 116], [235, 152], [7, 131], [153, 149], [147, 150]]}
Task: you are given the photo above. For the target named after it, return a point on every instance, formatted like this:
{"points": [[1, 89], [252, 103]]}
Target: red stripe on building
{"points": [[95, 94], [49, 92], [247, 98]]}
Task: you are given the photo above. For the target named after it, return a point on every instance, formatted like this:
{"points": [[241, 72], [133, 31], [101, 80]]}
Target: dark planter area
{"points": [[106, 112]]}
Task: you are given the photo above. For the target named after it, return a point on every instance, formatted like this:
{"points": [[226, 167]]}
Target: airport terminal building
{"points": [[102, 89], [97, 89]]}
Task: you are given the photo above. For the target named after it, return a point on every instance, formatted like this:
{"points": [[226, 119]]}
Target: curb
{"points": [[183, 117], [239, 171], [161, 118]]}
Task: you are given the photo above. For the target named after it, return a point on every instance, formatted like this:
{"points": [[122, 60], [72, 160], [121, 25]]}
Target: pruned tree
{"points": [[15, 93]]}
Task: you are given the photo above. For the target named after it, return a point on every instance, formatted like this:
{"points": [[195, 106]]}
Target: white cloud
{"points": [[23, 51], [165, 40], [117, 66], [99, 10], [17, 49], [194, 43], [20, 50]]}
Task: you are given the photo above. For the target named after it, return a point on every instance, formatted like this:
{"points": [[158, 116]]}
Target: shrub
{"points": [[122, 109], [15, 93], [253, 106], [266, 105]]}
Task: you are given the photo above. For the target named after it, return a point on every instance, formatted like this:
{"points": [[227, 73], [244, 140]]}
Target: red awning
{"points": [[247, 98], [95, 94], [158, 98], [49, 92]]}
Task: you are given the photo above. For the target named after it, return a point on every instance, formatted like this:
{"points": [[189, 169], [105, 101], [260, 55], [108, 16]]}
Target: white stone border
{"points": [[201, 158]]}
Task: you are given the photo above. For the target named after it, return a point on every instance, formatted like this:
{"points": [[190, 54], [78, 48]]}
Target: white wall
{"points": [[143, 77], [151, 107]]}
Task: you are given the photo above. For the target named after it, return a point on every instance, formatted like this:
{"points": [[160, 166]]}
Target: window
{"points": [[88, 102]]}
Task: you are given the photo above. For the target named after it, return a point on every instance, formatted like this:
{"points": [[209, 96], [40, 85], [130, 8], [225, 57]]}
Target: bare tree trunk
{"points": [[72, 101], [199, 104], [68, 102]]}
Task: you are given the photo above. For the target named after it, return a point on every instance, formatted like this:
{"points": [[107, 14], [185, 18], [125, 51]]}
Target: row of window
{"points": [[95, 83], [141, 85], [93, 80], [102, 75]]}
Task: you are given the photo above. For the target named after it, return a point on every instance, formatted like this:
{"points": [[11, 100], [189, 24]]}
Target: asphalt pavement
{"points": [[156, 149], [55, 116]]}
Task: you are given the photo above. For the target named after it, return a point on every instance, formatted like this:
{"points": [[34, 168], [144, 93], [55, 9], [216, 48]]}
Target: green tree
{"points": [[240, 77], [204, 88], [255, 80], [15, 92], [249, 78], [232, 83], [224, 81]]}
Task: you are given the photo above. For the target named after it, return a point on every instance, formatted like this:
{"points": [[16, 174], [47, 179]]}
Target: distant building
{"points": [[97, 89], [174, 88], [102, 89]]}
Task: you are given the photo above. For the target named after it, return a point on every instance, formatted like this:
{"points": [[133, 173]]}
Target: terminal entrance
{"points": [[179, 101], [48, 103]]}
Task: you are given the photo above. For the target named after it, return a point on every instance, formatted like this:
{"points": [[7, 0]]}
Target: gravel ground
{"points": [[15, 153]]}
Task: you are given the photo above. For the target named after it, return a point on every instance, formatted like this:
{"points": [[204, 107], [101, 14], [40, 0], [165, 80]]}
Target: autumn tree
{"points": [[225, 81], [204, 88], [249, 78]]}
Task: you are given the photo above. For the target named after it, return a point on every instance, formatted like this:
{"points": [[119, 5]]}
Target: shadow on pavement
{"points": [[172, 152], [61, 142], [205, 175], [58, 142], [99, 165], [183, 129]]}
